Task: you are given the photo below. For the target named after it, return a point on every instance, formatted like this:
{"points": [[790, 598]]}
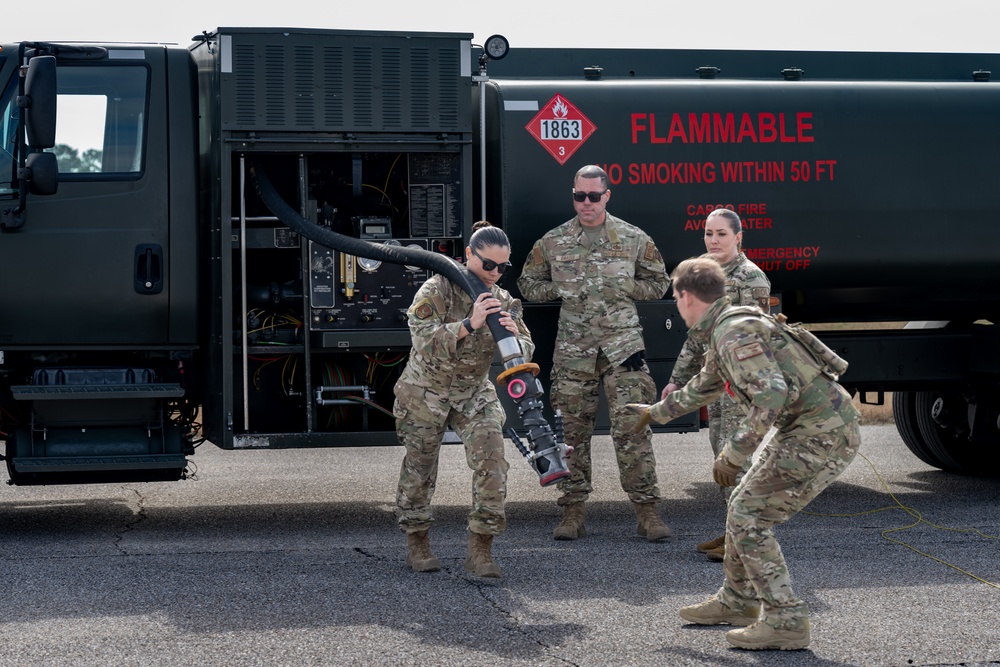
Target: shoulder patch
{"points": [[749, 351], [652, 254], [762, 297], [536, 255], [424, 309]]}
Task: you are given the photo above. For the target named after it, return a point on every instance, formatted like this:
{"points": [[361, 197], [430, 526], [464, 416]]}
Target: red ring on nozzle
{"points": [[552, 478], [516, 388]]}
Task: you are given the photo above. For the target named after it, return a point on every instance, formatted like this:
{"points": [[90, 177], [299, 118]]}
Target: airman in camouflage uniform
{"points": [[776, 383], [446, 381], [598, 265], [746, 285]]}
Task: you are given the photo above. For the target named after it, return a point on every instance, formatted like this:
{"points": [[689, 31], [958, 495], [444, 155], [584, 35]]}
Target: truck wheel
{"points": [[943, 421], [904, 412]]}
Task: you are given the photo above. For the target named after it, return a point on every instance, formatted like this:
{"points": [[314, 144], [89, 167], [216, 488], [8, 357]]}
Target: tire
{"points": [[947, 436], [904, 412]]}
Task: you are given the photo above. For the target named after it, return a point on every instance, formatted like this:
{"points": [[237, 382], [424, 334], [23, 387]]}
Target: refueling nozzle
{"points": [[546, 451]]}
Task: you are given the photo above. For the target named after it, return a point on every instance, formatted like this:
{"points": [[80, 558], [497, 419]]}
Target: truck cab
{"points": [[102, 311]]}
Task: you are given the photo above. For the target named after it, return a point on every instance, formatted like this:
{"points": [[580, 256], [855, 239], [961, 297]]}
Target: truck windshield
{"points": [[101, 119]]}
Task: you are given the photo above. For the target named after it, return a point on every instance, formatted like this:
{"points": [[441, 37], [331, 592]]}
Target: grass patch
{"points": [[875, 414]]}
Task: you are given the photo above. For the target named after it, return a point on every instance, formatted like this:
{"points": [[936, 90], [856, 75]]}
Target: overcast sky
{"points": [[827, 25]]}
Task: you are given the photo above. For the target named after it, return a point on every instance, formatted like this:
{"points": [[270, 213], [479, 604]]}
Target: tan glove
{"points": [[641, 409], [724, 473]]}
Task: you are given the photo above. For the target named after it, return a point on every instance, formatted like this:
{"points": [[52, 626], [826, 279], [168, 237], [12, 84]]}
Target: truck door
{"points": [[89, 265]]}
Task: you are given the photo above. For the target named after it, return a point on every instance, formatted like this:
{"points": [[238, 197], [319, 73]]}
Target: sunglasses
{"points": [[592, 196], [489, 264]]}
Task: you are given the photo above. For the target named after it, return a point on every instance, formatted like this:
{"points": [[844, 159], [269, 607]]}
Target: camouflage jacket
{"points": [[746, 285], [598, 285], [443, 372], [770, 376]]}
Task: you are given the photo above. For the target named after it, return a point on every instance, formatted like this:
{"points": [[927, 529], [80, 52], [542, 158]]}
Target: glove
{"points": [[634, 362], [641, 409], [724, 473]]}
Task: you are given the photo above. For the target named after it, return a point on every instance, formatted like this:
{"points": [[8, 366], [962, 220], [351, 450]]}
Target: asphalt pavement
{"points": [[292, 557]]}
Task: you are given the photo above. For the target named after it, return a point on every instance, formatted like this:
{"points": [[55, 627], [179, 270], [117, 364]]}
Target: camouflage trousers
{"points": [[484, 452], [789, 473], [576, 394], [724, 417]]}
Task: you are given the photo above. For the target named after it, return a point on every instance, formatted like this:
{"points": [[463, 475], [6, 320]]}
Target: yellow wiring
{"points": [[256, 374], [919, 519], [377, 189], [271, 323], [289, 385], [376, 362], [389, 175]]}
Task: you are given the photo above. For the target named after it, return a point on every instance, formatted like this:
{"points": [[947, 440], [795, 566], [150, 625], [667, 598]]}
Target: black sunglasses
{"points": [[592, 196], [489, 264]]}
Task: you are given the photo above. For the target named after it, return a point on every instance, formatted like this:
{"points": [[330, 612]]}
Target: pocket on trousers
{"points": [[636, 387]]}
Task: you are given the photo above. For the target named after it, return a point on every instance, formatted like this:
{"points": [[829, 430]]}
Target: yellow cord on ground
{"points": [[919, 519]]}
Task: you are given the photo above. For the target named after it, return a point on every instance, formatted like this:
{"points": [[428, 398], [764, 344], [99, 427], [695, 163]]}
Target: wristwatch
{"points": [[467, 323]]}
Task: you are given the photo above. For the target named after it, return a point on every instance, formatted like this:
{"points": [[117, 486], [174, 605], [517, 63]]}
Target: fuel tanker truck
{"points": [[220, 243]]}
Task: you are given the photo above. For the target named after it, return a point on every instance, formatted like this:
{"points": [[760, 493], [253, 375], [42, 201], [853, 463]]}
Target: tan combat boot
{"points": [[649, 523], [713, 612], [480, 560], [761, 636], [705, 547], [418, 553], [716, 555], [571, 526]]}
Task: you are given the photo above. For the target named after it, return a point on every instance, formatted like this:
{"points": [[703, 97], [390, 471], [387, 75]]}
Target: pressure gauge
{"points": [[409, 267], [394, 242], [368, 264], [497, 47]]}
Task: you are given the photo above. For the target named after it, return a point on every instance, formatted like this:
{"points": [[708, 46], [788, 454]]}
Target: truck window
{"points": [[101, 120], [9, 126]]}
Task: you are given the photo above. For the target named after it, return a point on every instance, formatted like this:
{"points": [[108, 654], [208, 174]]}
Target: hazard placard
{"points": [[560, 128]]}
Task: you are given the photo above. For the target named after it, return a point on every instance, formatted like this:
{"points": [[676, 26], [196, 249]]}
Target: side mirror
{"points": [[39, 102], [41, 171]]}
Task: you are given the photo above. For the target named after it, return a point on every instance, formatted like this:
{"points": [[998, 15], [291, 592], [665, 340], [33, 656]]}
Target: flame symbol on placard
{"points": [[559, 109]]}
